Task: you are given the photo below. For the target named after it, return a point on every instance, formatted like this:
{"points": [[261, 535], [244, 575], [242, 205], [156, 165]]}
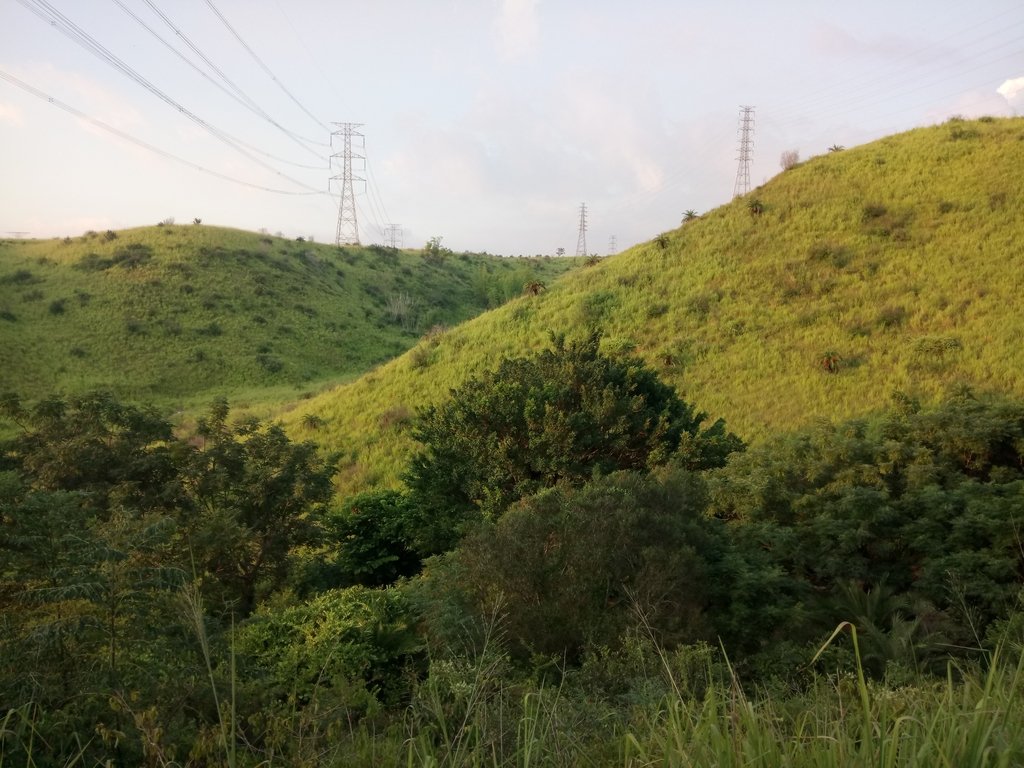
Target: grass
{"points": [[896, 261], [692, 712], [177, 314]]}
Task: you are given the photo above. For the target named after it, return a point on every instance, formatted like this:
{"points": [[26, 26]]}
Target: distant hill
{"points": [[174, 314], [893, 266]]}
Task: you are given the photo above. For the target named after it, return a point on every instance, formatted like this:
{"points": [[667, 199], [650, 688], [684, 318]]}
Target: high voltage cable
{"points": [[232, 90], [845, 105], [309, 53], [263, 66], [675, 176], [138, 142], [371, 183], [852, 88], [47, 13], [813, 95]]}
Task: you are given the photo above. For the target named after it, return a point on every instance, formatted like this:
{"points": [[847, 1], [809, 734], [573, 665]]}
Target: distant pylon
{"points": [[581, 241], [348, 225], [746, 133], [613, 246], [393, 236]]}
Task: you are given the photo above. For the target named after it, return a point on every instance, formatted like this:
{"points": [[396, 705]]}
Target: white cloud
{"points": [[517, 29], [1013, 91]]}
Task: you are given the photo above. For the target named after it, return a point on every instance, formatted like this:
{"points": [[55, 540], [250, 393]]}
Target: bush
{"points": [[58, 306], [571, 570], [565, 415], [270, 363], [374, 539], [892, 316], [314, 649]]}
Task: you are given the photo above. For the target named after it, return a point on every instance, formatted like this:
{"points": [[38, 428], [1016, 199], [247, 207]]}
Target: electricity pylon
{"points": [[746, 133], [348, 224], [581, 241]]}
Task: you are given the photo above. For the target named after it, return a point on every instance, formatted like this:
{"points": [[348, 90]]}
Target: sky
{"points": [[487, 123]]}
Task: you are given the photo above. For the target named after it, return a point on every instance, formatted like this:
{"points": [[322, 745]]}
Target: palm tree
{"points": [[836, 148], [689, 215]]}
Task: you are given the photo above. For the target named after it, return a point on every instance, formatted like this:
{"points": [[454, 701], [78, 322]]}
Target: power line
{"points": [[232, 90], [68, 28], [263, 66], [138, 142]]}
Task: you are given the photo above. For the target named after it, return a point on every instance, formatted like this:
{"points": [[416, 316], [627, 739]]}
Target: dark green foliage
{"points": [[256, 496], [372, 540], [58, 306], [109, 527], [571, 569], [565, 415], [923, 504], [20, 277], [112, 453], [351, 649]]}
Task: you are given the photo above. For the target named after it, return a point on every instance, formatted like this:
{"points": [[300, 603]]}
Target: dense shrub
{"points": [[566, 415], [572, 568]]}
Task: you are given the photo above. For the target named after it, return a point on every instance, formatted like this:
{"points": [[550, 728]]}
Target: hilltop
{"points": [[175, 314], [893, 267]]}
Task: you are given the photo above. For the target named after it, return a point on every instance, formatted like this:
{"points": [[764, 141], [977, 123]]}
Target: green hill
{"points": [[894, 266], [174, 314]]}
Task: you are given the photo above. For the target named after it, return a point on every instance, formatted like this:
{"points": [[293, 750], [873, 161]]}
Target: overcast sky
{"points": [[486, 122]]}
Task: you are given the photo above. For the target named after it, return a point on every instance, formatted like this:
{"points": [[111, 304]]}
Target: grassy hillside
{"points": [[173, 314], [897, 265]]}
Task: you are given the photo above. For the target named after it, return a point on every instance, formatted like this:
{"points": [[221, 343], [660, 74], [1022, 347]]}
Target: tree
{"points": [[565, 415], [926, 502], [434, 252], [559, 251], [371, 540], [110, 452], [255, 495], [571, 568], [789, 159], [689, 215]]}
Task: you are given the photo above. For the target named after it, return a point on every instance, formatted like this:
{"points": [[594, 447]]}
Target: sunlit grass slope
{"points": [[175, 314], [898, 265]]}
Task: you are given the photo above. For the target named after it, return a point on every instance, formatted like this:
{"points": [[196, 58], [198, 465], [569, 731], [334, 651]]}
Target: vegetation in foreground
{"points": [[643, 593]]}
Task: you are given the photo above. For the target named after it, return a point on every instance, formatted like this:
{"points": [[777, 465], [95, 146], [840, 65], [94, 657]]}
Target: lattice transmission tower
{"points": [[348, 223], [581, 240], [746, 134], [393, 236], [613, 246]]}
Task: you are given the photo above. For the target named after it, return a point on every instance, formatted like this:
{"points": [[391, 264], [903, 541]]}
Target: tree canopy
{"points": [[565, 415]]}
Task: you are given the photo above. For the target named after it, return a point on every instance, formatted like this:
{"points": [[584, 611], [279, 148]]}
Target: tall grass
{"points": [[972, 718]]}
